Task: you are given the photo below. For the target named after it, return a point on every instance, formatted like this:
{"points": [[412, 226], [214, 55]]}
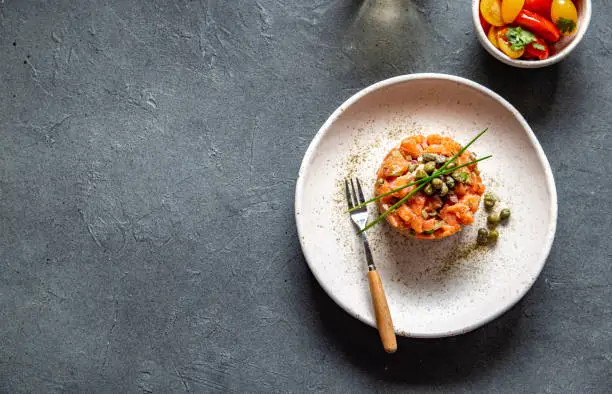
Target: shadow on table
{"points": [[386, 38], [531, 91], [417, 360]]}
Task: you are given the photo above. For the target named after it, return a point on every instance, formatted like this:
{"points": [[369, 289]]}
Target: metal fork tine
{"points": [[355, 199], [348, 195], [361, 198]]}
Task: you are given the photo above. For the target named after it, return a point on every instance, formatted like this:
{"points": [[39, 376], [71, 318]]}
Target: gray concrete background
{"points": [[148, 156]]}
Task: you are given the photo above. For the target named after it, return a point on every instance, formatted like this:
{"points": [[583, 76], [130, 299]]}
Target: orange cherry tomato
{"points": [[491, 12], [505, 46], [510, 9], [492, 36], [564, 15]]}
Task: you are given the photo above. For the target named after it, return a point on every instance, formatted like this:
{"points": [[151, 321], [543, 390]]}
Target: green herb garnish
{"points": [[539, 46], [421, 183], [566, 25], [519, 38], [397, 189]]}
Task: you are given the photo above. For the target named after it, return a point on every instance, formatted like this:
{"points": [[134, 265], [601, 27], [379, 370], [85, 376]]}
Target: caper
{"points": [[461, 177], [437, 183], [429, 157], [420, 174], [483, 236], [493, 219], [444, 190], [489, 200], [493, 235], [412, 167], [430, 167], [381, 181], [428, 189], [450, 182], [504, 214], [441, 159], [450, 165], [490, 196]]}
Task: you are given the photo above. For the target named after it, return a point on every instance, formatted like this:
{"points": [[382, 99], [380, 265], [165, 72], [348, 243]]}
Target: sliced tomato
{"points": [[541, 7], [510, 9], [537, 50], [491, 12], [564, 15], [492, 36]]}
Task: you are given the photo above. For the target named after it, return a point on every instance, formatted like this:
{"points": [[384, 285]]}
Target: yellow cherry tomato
{"points": [[510, 9], [564, 15], [492, 36], [505, 46], [491, 12]]}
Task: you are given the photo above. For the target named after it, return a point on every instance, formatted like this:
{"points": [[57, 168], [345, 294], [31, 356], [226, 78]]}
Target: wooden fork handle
{"points": [[383, 316]]}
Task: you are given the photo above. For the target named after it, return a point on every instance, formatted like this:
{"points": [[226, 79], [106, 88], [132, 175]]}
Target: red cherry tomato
{"points": [[485, 25], [537, 50], [541, 7], [538, 25]]}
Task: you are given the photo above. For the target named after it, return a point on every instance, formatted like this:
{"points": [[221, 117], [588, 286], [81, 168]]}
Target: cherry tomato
{"points": [[505, 46], [564, 15], [485, 25], [541, 7], [538, 25], [492, 36], [537, 50], [510, 9], [491, 12]]}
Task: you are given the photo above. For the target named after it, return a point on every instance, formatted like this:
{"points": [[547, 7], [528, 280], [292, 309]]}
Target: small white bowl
{"points": [[563, 47]]}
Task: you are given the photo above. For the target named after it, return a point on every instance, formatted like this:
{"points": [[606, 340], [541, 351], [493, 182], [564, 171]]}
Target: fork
{"points": [[381, 309]]}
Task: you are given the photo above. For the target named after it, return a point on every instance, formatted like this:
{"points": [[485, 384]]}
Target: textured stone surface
{"points": [[148, 155]]}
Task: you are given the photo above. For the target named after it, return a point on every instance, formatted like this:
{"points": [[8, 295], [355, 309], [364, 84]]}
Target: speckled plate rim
{"points": [[310, 154]]}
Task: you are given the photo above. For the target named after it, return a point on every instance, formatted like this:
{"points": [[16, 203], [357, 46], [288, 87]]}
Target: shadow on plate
{"points": [[453, 259], [418, 361]]}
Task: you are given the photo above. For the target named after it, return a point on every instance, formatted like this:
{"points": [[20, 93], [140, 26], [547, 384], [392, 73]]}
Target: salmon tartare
{"points": [[444, 205]]}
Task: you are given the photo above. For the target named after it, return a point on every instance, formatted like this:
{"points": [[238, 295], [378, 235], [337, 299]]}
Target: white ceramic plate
{"points": [[434, 288]]}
